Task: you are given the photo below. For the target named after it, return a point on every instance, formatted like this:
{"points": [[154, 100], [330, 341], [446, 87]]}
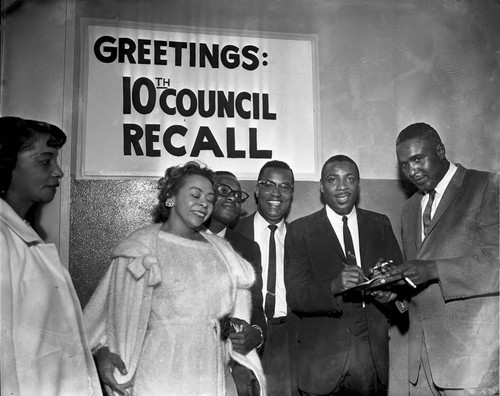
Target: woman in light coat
{"points": [[165, 304], [44, 344]]}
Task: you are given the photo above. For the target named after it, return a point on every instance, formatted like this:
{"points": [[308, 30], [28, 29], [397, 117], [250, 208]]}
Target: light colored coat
{"points": [[117, 314], [44, 344], [459, 315]]}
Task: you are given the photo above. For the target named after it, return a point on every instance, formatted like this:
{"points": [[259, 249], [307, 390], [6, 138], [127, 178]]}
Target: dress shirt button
{"points": [[348, 331]]}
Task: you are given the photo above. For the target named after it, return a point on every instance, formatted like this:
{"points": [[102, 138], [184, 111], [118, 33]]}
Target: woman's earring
{"points": [[169, 204]]}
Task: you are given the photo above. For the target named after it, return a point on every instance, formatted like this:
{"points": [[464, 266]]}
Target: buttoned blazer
{"points": [[458, 316], [313, 258], [250, 251]]}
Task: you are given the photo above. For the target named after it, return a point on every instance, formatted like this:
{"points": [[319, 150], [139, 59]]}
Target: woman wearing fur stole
{"points": [[159, 319]]}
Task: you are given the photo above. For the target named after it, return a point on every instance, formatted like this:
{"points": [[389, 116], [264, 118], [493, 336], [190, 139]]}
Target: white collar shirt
{"points": [[261, 236], [440, 189], [338, 226], [221, 233]]}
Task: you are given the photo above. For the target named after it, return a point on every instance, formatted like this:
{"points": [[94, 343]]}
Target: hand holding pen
{"points": [[350, 276]]}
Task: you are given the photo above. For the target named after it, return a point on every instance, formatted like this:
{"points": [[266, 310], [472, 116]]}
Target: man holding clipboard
{"points": [[343, 334]]}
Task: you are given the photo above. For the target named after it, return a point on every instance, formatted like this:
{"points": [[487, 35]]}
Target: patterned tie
{"points": [[271, 275], [348, 244], [427, 212]]}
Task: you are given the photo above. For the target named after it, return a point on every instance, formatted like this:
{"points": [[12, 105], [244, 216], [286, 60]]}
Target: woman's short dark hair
{"points": [[18, 134], [174, 179]]}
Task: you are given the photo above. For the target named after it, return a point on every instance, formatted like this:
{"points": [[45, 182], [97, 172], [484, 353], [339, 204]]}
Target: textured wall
{"points": [[381, 66], [103, 212]]}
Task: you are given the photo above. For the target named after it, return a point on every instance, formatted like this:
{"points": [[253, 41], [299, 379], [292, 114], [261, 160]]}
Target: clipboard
{"points": [[372, 284]]}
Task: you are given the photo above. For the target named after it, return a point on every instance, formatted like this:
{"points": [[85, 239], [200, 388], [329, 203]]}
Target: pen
{"points": [[347, 265], [408, 280]]}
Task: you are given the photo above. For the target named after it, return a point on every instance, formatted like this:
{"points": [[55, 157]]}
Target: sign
{"points": [[158, 96]]}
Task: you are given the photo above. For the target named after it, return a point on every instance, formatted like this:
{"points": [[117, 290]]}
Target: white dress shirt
{"points": [[261, 236], [440, 189], [338, 227]]}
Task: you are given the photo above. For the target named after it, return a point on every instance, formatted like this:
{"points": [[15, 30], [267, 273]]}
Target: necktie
{"points": [[348, 244], [271, 275], [427, 212]]}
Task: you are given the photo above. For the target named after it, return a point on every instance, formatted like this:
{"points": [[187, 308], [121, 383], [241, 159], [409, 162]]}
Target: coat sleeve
{"points": [[117, 314]]}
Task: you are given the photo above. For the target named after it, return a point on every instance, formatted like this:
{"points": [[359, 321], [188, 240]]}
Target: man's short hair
{"points": [[275, 164], [339, 158], [419, 130], [225, 173]]}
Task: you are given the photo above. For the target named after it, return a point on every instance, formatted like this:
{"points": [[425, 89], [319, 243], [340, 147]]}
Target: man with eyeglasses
{"points": [[226, 210], [343, 346], [251, 335], [267, 226]]}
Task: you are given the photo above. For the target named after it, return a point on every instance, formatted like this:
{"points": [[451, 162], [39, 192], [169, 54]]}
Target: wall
{"points": [[34, 86], [382, 65]]}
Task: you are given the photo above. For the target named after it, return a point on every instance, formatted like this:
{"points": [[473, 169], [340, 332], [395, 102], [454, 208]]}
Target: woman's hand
{"points": [[106, 362]]}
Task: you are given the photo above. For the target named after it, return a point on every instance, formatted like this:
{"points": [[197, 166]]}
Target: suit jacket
{"points": [[314, 257], [458, 316], [250, 251], [245, 226]]}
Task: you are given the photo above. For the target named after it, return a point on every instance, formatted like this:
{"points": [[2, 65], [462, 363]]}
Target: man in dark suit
{"points": [[451, 244], [343, 336], [226, 210], [267, 226]]}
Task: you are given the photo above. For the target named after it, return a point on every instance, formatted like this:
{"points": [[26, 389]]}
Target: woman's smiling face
{"points": [[193, 203]]}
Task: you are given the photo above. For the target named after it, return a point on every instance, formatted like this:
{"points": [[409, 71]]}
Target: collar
{"points": [[336, 218], [441, 186], [221, 234], [261, 224], [12, 220]]}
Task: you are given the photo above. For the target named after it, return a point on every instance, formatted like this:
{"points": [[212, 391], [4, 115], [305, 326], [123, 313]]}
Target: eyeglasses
{"points": [[270, 186], [225, 191]]}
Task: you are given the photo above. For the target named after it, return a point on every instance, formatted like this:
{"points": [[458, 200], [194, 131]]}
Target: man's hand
{"points": [[383, 296], [246, 339], [106, 362], [350, 276], [417, 271]]}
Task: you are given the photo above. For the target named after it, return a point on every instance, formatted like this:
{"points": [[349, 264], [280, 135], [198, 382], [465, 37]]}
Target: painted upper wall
{"points": [[382, 65]]}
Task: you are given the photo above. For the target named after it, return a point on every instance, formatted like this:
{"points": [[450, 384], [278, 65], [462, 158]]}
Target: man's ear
{"points": [[256, 191], [321, 187], [441, 151]]}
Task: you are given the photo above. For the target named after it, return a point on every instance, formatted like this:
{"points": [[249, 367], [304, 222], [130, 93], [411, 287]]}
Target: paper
{"points": [[376, 283]]}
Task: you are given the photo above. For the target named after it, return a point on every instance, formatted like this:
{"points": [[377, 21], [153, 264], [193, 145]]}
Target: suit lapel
{"points": [[450, 194], [364, 234], [330, 235]]}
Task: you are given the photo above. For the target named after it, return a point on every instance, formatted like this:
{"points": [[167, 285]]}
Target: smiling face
{"points": [[193, 205], [424, 163], [273, 203], [36, 176], [340, 186]]}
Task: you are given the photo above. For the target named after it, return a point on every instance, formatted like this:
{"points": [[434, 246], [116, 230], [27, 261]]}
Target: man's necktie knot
{"points": [[427, 212]]}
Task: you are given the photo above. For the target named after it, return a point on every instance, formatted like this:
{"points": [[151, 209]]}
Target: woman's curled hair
{"points": [[173, 180]]}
